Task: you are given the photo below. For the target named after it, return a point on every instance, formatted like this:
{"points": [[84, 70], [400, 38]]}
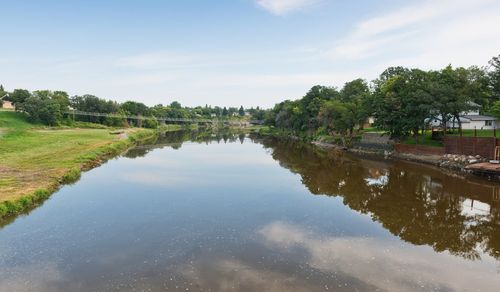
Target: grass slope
{"points": [[35, 160]]}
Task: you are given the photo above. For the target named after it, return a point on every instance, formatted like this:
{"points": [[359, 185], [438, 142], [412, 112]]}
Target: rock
{"points": [[471, 161]]}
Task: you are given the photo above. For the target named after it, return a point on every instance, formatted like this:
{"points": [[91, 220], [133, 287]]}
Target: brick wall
{"points": [[419, 149], [484, 146]]}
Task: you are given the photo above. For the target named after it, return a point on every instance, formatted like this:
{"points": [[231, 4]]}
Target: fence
{"points": [[419, 149], [483, 146]]}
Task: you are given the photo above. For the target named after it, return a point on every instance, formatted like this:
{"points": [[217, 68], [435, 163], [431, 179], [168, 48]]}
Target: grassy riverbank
{"points": [[36, 160]]}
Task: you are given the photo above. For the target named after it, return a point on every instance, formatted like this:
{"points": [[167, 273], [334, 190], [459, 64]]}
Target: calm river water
{"points": [[233, 213]]}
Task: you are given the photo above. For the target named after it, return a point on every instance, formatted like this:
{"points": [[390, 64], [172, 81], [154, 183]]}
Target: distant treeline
{"points": [[401, 101], [48, 107]]}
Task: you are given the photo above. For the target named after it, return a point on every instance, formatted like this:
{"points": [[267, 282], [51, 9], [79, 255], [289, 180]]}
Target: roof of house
{"points": [[5, 95], [479, 118]]}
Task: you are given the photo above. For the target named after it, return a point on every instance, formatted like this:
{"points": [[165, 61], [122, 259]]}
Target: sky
{"points": [[233, 52]]}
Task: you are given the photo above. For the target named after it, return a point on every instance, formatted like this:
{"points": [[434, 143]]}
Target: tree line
{"points": [[401, 101], [50, 108]]}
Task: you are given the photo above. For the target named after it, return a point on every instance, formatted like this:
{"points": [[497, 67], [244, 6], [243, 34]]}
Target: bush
{"points": [[3, 210], [46, 111], [71, 176], [150, 123]]}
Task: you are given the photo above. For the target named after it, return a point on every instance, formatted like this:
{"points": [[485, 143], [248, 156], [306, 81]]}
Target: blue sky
{"points": [[233, 52]]}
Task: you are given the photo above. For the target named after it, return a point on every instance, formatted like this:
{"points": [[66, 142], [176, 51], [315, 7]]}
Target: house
{"points": [[470, 120], [480, 122], [6, 104]]}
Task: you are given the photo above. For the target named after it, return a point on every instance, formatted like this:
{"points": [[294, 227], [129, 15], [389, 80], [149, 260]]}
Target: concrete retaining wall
{"points": [[374, 141]]}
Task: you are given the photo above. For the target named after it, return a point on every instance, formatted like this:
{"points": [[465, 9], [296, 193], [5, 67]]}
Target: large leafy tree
{"points": [[402, 101], [47, 111], [302, 115], [453, 90], [18, 96], [357, 92], [135, 108], [340, 117], [354, 91]]}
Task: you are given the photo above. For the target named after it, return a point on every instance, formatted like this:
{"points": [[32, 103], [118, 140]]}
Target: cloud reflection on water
{"points": [[389, 266]]}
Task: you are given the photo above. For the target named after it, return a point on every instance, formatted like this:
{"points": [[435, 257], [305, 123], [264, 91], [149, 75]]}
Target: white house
{"points": [[471, 120], [480, 122]]}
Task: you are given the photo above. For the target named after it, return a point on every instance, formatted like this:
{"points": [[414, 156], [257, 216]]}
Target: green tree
{"points": [[224, 111], [46, 111], [43, 94], [175, 105], [135, 108], [18, 96], [495, 109], [241, 111], [402, 101], [452, 90], [354, 91], [494, 75], [2, 94], [337, 116], [62, 98], [358, 93]]}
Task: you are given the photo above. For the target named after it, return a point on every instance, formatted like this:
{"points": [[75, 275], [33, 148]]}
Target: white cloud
{"points": [[390, 266], [281, 7], [427, 34]]}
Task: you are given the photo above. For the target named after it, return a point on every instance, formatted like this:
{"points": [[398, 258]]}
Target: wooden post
{"points": [[494, 132], [475, 131]]}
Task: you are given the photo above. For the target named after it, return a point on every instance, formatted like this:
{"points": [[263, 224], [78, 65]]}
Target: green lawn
{"points": [[426, 138], [423, 140], [34, 157], [480, 133]]}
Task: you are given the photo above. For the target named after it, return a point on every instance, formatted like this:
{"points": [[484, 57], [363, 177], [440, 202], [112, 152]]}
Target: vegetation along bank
{"points": [[35, 159]]}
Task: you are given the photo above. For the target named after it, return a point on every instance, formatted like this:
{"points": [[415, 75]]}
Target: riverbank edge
{"points": [[455, 169], [13, 208], [429, 160]]}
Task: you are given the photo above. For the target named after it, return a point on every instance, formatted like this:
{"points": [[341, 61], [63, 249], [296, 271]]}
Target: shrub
{"points": [[71, 176]]}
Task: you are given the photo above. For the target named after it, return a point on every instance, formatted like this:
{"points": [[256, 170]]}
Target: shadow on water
{"points": [[419, 204]]}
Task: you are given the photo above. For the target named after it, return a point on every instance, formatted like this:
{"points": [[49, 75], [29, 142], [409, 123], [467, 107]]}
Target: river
{"points": [[230, 212]]}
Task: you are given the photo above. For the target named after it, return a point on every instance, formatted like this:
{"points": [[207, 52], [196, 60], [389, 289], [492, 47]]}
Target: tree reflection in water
{"points": [[420, 204], [175, 140]]}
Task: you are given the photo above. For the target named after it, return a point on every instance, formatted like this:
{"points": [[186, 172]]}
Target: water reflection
{"points": [[216, 212], [175, 140], [381, 264], [419, 204]]}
